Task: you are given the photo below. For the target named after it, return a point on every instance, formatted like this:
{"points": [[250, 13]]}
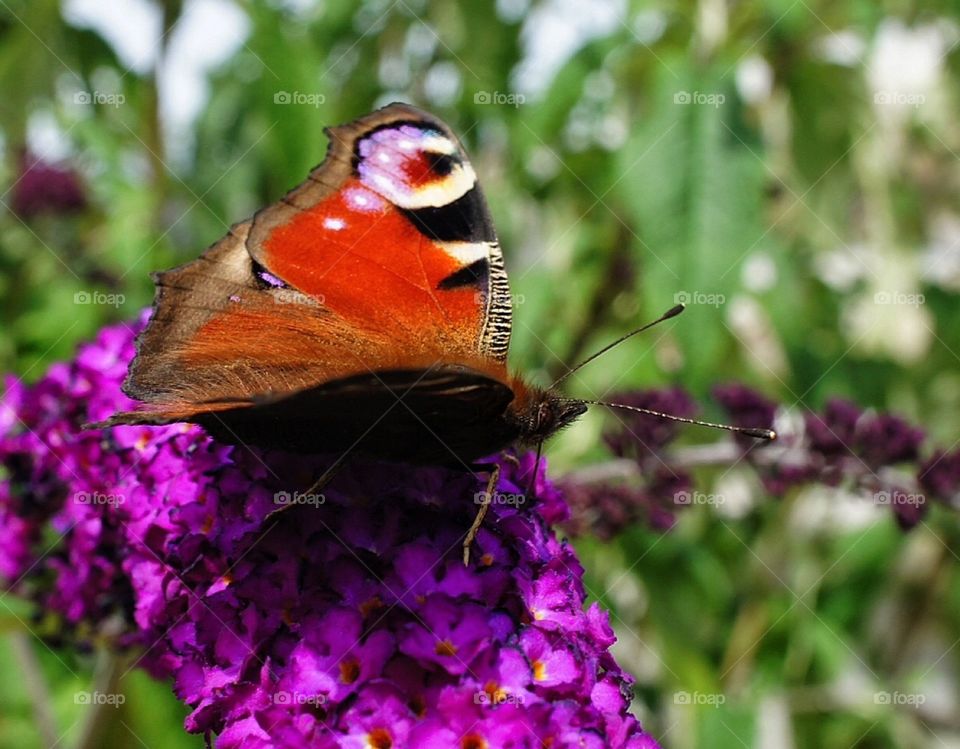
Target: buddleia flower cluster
{"points": [[285, 618]]}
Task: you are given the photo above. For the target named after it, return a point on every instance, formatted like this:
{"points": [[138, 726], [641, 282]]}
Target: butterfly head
{"points": [[543, 413], [413, 165]]}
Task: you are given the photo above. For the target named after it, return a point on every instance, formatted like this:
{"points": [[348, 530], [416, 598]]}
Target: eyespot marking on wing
{"points": [[413, 166]]}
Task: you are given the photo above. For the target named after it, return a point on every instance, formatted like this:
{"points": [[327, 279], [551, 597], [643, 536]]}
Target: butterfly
{"points": [[367, 311]]}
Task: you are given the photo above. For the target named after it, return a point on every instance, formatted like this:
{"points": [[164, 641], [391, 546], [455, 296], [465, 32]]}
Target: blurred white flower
{"points": [[822, 509], [905, 66], [649, 25], [750, 323], [754, 79], [738, 489], [940, 261], [759, 272], [844, 47], [890, 317], [840, 269]]}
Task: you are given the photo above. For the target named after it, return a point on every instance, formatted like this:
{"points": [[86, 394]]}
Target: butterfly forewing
{"points": [[384, 260], [392, 231]]}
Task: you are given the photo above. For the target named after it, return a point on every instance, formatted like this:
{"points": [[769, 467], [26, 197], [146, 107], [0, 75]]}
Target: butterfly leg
{"points": [[317, 486], [327, 476], [485, 499]]}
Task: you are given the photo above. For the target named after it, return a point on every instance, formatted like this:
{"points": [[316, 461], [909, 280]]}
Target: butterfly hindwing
{"points": [[441, 416]]}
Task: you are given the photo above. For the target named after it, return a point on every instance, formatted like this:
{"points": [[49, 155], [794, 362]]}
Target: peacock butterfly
{"points": [[367, 310]]}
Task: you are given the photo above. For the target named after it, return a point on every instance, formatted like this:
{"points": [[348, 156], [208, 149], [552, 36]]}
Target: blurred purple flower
{"points": [[842, 444], [885, 439], [42, 187], [940, 474], [640, 435], [347, 620], [833, 433], [746, 407]]}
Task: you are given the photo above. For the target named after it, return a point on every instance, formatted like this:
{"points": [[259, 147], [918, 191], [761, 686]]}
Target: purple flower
{"points": [[640, 435], [42, 187], [885, 439], [345, 620], [834, 432], [844, 430], [939, 475], [746, 407]]}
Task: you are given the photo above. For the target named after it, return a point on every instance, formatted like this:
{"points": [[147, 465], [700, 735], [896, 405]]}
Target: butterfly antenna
{"points": [[672, 312], [762, 434]]}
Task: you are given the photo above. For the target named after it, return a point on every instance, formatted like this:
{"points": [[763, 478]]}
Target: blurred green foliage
{"points": [[787, 166]]}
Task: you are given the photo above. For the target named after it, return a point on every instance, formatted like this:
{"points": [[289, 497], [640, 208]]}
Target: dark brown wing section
{"points": [[442, 416]]}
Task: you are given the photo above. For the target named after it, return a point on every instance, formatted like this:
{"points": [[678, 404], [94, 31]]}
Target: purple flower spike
{"points": [[345, 620]]}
